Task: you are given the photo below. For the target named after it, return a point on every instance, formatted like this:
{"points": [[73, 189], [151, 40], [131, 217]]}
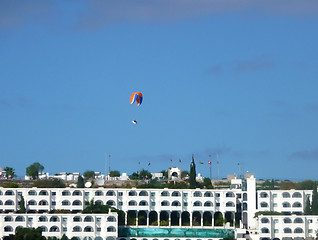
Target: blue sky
{"points": [[233, 79]]}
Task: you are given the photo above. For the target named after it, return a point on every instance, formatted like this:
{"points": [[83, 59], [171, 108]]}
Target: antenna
{"points": [[210, 163], [109, 162], [217, 163], [105, 164]]}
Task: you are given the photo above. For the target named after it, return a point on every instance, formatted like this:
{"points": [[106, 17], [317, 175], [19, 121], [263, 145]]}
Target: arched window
{"points": [[230, 204], [88, 229], [42, 219], [9, 193], [19, 219], [32, 193], [54, 229], [208, 194], [44, 229], [111, 219], [176, 203], [197, 204], [98, 193], [298, 230], [296, 204], [263, 195], [287, 230], [296, 195], [264, 220], [77, 219], [287, 220], [197, 194], [143, 203], [132, 193], [244, 206], [286, 195], [244, 196], [165, 194], [77, 229], [77, 193], [176, 194], [110, 203], [286, 204], [265, 230], [31, 203], [208, 204], [298, 220], [8, 219], [111, 229], [54, 219], [1, 203], [99, 202], [43, 203], [229, 194], [132, 203], [66, 193], [8, 229], [9, 203], [77, 203], [165, 203], [143, 193], [43, 193], [88, 219], [264, 204], [110, 193], [66, 203]]}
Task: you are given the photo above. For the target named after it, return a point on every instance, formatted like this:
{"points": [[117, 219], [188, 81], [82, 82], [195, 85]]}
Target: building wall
{"points": [[97, 226]]}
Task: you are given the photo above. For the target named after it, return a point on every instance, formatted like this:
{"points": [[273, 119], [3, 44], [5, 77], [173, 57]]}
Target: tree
{"points": [[207, 183], [145, 174], [134, 176], [306, 185], [164, 173], [9, 172], [28, 234], [307, 210], [64, 237], [80, 182], [193, 174], [33, 170], [11, 185], [184, 174], [114, 173], [49, 183], [287, 185], [22, 205], [89, 174], [314, 202]]}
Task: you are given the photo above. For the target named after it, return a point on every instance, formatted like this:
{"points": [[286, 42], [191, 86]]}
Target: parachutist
{"points": [[134, 122]]}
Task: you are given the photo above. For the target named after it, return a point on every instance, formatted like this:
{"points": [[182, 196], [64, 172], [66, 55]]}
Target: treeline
{"points": [[287, 185]]}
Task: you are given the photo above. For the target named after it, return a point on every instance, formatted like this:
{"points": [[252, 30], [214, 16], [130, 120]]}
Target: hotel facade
{"points": [[161, 214]]}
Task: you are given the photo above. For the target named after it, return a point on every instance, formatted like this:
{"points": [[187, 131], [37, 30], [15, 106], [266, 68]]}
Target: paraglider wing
{"points": [[136, 97]]}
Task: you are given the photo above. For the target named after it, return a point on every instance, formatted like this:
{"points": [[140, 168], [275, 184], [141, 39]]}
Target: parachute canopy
{"points": [[136, 97]]}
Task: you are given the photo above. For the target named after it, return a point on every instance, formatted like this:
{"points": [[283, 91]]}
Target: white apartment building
{"points": [[158, 214]]}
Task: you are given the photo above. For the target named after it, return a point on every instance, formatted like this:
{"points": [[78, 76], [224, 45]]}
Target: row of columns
{"points": [[178, 216]]}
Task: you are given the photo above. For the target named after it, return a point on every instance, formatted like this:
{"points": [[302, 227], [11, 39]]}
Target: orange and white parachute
{"points": [[136, 97]]}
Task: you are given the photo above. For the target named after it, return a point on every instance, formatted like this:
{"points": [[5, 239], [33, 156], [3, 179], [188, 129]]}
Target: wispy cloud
{"points": [[258, 63], [305, 155], [108, 12], [216, 69], [17, 14], [99, 13]]}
